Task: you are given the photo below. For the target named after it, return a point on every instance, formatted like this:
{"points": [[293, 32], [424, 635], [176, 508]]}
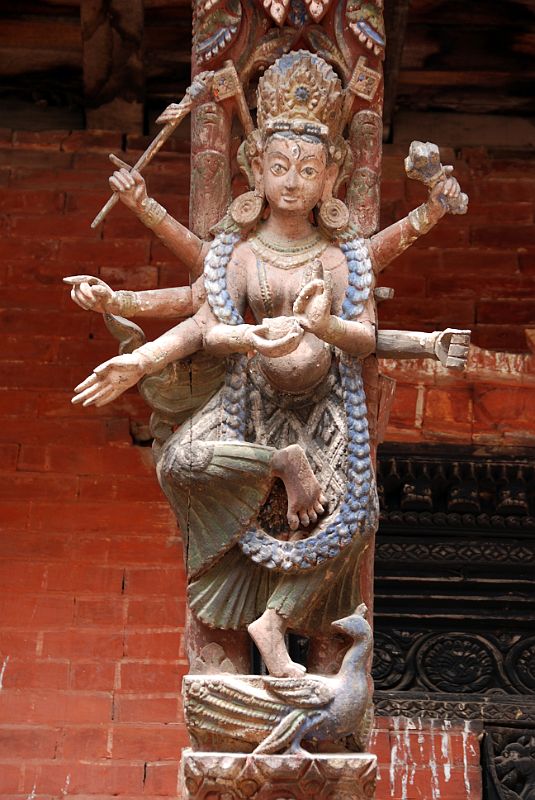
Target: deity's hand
{"points": [[276, 337], [312, 307], [109, 380], [451, 347], [444, 194], [130, 186], [92, 294], [199, 91]]}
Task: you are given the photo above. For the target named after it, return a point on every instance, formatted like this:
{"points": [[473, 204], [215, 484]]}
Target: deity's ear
{"points": [[257, 165], [331, 174]]}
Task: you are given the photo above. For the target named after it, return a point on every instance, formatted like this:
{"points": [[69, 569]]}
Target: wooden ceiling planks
{"points": [[468, 57], [475, 57]]}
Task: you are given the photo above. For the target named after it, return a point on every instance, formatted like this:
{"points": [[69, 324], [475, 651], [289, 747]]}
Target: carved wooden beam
{"points": [[114, 74], [396, 15]]}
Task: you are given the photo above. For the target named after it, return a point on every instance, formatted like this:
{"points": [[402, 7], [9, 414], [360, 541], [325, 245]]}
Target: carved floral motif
{"points": [[388, 661], [521, 662], [456, 663]]}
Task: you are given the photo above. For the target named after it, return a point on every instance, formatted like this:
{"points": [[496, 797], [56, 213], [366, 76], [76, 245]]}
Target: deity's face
{"points": [[294, 173]]}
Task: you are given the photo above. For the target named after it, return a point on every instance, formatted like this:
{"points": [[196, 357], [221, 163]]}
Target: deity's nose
{"points": [[291, 178]]}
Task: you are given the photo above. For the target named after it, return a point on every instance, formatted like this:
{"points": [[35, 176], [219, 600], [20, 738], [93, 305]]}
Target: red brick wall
{"points": [[91, 581], [426, 760], [475, 271], [91, 586]]}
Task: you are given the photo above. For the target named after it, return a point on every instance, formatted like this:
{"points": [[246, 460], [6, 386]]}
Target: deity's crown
{"points": [[300, 93]]}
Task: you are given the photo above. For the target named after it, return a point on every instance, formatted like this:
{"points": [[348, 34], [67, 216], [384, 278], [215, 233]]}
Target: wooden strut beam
{"points": [[396, 16], [113, 67]]}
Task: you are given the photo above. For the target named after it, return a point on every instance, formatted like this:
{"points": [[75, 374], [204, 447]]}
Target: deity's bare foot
{"points": [[267, 632], [305, 498]]}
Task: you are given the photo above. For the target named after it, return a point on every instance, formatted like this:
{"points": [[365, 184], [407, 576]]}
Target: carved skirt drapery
{"points": [[218, 487]]}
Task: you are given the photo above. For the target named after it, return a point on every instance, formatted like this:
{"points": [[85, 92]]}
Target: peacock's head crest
{"points": [[355, 625]]}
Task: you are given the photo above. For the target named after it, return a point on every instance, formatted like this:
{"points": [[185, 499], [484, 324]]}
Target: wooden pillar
{"points": [[114, 74]]}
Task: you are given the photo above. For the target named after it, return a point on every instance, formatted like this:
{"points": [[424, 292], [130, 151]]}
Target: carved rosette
{"points": [[388, 661], [520, 663], [454, 662]]}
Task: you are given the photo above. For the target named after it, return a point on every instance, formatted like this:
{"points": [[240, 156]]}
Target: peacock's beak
{"points": [[355, 624]]}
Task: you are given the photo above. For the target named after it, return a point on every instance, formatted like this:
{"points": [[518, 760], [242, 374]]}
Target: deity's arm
{"points": [[132, 191], [389, 243], [176, 302], [224, 340], [314, 307], [355, 337], [449, 346], [180, 241], [113, 377], [386, 245], [220, 337], [177, 343], [92, 294]]}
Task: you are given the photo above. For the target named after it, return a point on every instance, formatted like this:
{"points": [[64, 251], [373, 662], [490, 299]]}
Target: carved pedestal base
{"points": [[232, 776]]}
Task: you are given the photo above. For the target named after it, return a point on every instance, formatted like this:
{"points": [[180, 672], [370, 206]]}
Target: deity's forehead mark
{"points": [[295, 148]]}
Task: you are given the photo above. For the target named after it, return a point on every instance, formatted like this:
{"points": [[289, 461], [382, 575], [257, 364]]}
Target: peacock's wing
{"points": [[305, 692], [229, 707]]}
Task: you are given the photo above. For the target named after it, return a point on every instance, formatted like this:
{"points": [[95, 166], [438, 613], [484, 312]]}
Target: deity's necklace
{"points": [[285, 254], [265, 288]]}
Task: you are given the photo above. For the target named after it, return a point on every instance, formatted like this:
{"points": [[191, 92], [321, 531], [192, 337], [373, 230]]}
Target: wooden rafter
{"points": [[113, 64]]}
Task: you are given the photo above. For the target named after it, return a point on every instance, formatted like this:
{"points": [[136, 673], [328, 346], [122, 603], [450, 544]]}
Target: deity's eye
{"points": [[309, 172], [277, 168]]}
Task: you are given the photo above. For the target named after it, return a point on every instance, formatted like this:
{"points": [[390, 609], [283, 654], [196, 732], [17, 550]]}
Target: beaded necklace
{"points": [[287, 255]]}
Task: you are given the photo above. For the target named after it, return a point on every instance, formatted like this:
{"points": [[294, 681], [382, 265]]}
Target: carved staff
{"points": [[222, 84]]}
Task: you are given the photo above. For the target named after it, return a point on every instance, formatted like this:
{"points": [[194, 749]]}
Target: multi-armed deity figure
{"points": [[272, 478]]}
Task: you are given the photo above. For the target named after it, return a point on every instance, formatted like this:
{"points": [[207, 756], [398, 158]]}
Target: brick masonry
{"points": [[91, 578]]}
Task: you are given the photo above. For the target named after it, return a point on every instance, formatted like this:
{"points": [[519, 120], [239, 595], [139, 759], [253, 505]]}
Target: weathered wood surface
{"points": [[456, 56], [113, 63]]}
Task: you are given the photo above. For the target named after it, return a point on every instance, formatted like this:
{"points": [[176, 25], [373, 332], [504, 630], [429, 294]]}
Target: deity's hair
{"points": [[215, 281]]}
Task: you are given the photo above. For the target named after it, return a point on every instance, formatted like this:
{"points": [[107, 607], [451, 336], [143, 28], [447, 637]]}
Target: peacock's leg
{"points": [[310, 723]]}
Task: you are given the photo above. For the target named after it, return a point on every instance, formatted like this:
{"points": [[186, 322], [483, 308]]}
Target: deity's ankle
{"points": [[267, 633], [305, 497], [291, 465]]}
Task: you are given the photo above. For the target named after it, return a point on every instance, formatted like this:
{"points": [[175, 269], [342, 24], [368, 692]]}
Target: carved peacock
{"points": [[282, 713]]}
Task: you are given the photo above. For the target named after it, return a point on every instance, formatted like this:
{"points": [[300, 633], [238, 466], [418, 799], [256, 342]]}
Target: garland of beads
{"points": [[234, 398], [354, 514]]}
